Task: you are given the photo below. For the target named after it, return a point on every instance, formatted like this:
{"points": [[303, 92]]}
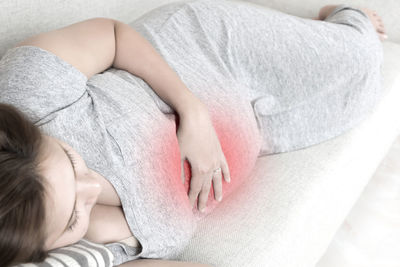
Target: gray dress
{"points": [[272, 83], [307, 81]]}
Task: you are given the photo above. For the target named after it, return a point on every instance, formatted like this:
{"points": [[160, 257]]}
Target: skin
{"points": [[82, 183]]}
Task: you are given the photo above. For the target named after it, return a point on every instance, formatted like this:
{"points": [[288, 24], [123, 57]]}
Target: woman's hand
{"points": [[199, 144]]}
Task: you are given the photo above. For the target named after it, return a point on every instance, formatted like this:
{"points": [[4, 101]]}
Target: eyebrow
{"points": [[73, 209]]}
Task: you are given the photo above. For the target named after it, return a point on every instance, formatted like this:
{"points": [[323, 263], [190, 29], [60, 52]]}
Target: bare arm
{"points": [[88, 45], [161, 263], [136, 55], [97, 44]]}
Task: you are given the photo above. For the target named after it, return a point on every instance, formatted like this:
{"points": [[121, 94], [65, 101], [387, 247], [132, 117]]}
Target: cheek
{"points": [[80, 230], [70, 237], [85, 218]]}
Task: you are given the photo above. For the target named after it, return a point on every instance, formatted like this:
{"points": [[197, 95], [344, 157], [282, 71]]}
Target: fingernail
{"points": [[202, 209], [219, 198], [229, 179]]}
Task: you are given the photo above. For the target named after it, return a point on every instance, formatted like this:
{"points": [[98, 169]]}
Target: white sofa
{"points": [[289, 211]]}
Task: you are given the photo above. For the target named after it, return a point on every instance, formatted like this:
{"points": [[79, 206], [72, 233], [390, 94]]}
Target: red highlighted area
{"points": [[240, 147]]}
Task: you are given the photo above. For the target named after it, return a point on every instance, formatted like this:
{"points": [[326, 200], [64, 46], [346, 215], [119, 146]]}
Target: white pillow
{"points": [[82, 253]]}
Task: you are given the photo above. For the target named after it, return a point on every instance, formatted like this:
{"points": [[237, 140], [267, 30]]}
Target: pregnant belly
{"points": [[155, 205], [240, 141]]}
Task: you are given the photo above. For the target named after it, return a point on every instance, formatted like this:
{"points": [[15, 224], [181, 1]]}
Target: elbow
{"points": [[111, 26]]}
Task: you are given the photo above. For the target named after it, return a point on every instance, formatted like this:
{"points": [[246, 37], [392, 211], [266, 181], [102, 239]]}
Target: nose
{"points": [[89, 188]]}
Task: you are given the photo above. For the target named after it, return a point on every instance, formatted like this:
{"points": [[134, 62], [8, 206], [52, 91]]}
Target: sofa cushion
{"points": [[25, 17], [81, 253]]}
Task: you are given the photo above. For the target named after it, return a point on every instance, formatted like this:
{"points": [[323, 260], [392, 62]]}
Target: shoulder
{"points": [[38, 82]]}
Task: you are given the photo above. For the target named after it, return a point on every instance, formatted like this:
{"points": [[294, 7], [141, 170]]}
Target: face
{"points": [[73, 191]]}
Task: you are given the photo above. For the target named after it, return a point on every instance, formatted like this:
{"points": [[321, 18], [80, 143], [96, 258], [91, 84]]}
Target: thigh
{"points": [[309, 80], [287, 56]]}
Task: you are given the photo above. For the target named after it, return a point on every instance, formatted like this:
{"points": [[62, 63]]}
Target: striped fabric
{"points": [[81, 254]]}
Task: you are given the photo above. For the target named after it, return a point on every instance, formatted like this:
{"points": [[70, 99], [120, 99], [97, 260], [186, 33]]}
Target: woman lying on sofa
{"points": [[114, 132]]}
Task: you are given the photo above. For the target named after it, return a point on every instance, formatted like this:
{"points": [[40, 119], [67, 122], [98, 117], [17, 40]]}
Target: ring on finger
{"points": [[217, 170]]}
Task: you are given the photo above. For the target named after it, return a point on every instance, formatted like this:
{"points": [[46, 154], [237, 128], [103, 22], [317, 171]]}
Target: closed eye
{"points": [[71, 228]]}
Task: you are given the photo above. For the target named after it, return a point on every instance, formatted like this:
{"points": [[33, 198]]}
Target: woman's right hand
{"points": [[199, 144]]}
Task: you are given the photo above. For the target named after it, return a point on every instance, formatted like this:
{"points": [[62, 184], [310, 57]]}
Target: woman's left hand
{"points": [[199, 144]]}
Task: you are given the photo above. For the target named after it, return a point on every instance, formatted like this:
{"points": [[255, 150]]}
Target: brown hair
{"points": [[22, 190]]}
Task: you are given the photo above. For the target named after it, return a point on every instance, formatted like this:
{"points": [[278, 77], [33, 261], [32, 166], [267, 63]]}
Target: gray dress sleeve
{"points": [[38, 82], [350, 16]]}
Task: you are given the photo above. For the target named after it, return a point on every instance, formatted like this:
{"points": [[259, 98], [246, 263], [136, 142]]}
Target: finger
{"points": [[183, 171], [381, 31], [382, 37], [217, 183], [225, 171], [205, 191], [196, 183]]}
